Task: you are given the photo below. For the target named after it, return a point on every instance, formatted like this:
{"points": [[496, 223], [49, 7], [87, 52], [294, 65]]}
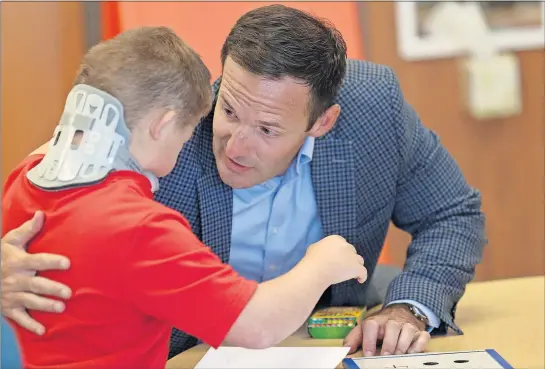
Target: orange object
{"points": [[385, 257], [205, 25], [110, 19]]}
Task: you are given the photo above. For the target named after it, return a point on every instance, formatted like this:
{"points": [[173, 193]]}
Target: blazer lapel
{"points": [[216, 208], [333, 179], [215, 197]]}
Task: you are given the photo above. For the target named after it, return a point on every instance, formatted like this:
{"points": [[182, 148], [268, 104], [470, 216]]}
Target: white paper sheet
{"points": [[447, 360], [273, 358]]}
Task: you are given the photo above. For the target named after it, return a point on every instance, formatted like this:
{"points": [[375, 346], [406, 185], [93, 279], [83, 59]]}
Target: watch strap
{"points": [[416, 312]]}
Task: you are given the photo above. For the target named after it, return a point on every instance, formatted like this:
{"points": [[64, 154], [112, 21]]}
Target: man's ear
{"points": [[326, 121], [160, 126]]}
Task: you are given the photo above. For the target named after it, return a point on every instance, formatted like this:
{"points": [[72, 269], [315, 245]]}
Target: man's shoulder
{"points": [[363, 70], [367, 81], [366, 98]]}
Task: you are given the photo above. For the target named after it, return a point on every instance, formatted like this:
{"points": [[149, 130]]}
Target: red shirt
{"points": [[136, 271]]}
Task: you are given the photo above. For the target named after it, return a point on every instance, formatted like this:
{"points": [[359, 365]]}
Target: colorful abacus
{"points": [[334, 322]]}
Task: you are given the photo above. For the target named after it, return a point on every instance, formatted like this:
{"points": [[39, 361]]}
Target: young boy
{"points": [[136, 268]]}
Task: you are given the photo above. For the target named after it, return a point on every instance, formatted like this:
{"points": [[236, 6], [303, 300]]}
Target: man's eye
{"points": [[228, 112], [267, 131]]}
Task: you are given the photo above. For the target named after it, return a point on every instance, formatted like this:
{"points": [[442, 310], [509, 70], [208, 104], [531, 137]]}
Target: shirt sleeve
{"points": [[174, 277]]}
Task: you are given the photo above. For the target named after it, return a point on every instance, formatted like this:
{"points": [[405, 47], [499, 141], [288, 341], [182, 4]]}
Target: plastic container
{"points": [[333, 322]]}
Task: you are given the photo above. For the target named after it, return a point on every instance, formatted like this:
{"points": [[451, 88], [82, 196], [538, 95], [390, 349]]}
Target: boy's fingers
{"points": [[362, 277]]}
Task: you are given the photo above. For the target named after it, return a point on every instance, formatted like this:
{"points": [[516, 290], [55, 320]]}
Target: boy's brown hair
{"points": [[149, 69]]}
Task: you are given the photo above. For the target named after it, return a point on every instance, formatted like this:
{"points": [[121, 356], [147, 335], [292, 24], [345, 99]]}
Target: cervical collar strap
{"points": [[90, 141]]}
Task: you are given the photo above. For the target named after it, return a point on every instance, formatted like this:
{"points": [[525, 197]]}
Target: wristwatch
{"points": [[417, 313]]}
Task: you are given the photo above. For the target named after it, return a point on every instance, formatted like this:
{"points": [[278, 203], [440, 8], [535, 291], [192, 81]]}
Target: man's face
{"points": [[259, 125]]}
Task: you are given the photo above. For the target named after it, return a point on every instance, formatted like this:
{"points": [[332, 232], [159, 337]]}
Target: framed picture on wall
{"points": [[515, 25]]}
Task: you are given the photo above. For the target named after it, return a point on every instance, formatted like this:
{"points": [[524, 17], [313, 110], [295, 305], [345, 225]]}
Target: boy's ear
{"points": [[161, 124]]}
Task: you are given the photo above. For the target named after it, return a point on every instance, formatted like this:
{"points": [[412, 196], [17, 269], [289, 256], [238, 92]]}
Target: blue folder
{"points": [[358, 363]]}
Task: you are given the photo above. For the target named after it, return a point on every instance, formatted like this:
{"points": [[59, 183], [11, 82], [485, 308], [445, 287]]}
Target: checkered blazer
{"points": [[378, 164]]}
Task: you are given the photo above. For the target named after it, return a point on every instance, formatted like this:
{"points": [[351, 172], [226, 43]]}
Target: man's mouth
{"points": [[236, 167]]}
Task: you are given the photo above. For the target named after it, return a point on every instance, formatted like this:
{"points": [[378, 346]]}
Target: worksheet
{"points": [[273, 358], [480, 359]]}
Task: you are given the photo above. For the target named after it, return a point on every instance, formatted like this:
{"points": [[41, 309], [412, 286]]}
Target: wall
{"points": [[42, 45], [504, 158], [205, 25]]}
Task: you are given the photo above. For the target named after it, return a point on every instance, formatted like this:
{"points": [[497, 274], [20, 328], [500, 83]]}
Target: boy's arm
{"points": [[278, 308], [174, 277]]}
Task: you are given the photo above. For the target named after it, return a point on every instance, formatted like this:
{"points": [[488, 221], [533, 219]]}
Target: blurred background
{"points": [[502, 155]]}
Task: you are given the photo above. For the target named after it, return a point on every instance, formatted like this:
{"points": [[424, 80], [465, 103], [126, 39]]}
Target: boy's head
{"points": [[161, 82]]}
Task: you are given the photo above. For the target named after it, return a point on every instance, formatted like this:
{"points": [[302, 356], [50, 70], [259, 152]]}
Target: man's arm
{"points": [[442, 213]]}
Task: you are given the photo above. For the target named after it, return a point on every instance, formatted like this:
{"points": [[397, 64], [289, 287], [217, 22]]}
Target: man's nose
{"points": [[237, 145]]}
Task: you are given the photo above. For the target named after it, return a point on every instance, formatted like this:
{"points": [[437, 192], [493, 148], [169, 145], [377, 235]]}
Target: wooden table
{"points": [[505, 315]]}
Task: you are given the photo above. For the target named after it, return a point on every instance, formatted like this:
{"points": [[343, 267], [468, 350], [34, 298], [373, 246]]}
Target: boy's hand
{"points": [[338, 259], [20, 285]]}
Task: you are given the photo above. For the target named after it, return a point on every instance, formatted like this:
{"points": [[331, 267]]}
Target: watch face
{"points": [[418, 314]]}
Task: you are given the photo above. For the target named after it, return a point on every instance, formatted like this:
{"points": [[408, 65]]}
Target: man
{"points": [[302, 143]]}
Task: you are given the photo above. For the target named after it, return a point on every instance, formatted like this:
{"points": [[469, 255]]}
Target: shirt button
{"points": [[275, 230], [272, 267]]}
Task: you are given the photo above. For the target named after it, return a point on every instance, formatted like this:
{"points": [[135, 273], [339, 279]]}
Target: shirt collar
{"points": [[305, 154]]}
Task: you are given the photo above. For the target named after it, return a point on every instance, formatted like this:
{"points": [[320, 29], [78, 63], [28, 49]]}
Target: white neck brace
{"points": [[97, 117]]}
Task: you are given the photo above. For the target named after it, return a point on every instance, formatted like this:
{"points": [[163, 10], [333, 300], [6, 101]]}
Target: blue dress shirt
{"points": [[274, 222]]}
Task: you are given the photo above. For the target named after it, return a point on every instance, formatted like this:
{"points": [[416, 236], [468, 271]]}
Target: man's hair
{"points": [[276, 41], [149, 69]]}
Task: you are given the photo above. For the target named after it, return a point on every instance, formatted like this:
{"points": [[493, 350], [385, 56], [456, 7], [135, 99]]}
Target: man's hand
{"points": [[20, 285], [399, 331]]}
